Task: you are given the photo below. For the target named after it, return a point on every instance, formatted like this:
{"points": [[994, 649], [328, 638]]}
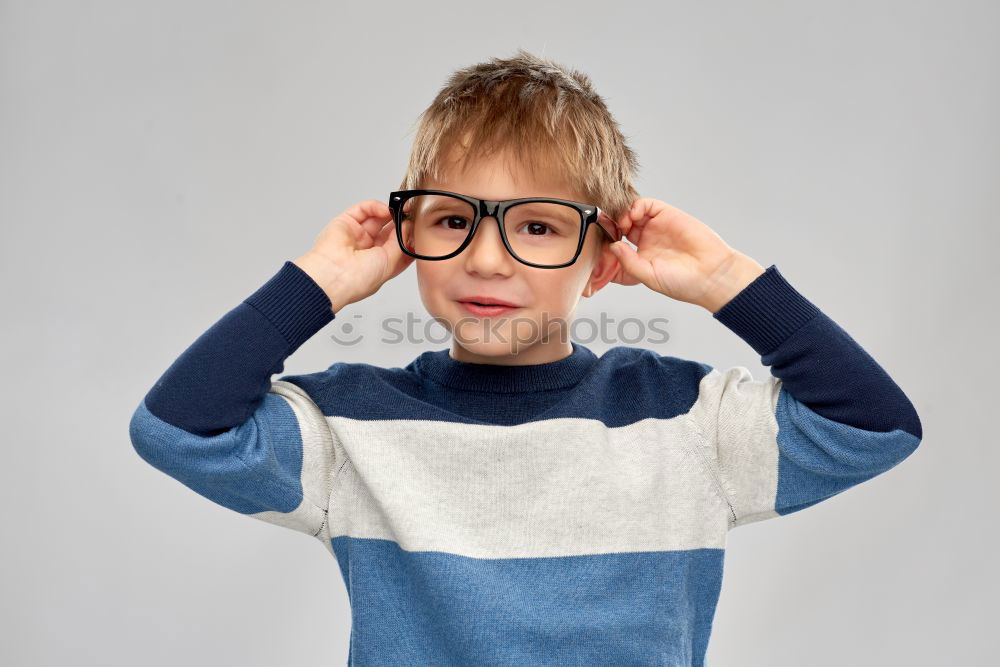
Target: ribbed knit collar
{"points": [[439, 366]]}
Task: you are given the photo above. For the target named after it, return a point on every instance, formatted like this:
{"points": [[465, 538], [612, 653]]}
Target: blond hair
{"points": [[535, 112]]}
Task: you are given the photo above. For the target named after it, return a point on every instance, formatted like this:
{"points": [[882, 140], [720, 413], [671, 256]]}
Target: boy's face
{"points": [[543, 297]]}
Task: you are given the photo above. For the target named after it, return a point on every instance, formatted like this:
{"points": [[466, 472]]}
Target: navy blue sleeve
{"points": [[217, 423], [828, 418], [222, 377]]}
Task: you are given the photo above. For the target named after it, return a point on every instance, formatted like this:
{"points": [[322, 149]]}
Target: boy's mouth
{"points": [[487, 306], [483, 300]]}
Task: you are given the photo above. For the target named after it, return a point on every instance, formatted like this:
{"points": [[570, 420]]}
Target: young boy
{"points": [[517, 499]]}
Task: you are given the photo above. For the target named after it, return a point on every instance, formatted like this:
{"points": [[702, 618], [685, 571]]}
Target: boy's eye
{"points": [[536, 228], [454, 222]]}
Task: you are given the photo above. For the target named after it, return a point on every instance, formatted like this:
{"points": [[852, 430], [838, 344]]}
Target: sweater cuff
{"points": [[767, 311], [294, 303]]}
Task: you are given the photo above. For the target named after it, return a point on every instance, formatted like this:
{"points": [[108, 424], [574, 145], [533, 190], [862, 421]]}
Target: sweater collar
{"points": [[439, 366]]}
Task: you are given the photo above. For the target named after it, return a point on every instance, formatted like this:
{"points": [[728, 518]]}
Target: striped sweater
{"points": [[566, 513]]}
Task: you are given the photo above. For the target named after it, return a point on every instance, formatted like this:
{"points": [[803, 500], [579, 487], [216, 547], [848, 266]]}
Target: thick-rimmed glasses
{"points": [[543, 232]]}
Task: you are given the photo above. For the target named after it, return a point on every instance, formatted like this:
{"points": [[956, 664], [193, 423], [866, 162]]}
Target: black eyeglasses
{"points": [[542, 232]]}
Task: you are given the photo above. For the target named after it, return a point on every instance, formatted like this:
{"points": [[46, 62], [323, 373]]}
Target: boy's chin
{"points": [[492, 349], [495, 342]]}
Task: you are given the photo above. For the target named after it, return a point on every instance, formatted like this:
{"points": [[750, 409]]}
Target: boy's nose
{"points": [[486, 252]]}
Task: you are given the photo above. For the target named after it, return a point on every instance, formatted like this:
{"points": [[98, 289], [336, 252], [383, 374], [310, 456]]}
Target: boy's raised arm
{"points": [[221, 378], [217, 423], [829, 418]]}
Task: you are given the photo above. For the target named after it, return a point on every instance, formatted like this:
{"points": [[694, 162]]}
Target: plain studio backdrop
{"points": [[160, 161]]}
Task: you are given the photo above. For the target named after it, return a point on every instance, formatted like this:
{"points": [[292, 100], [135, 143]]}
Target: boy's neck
{"points": [[542, 352], [439, 366]]}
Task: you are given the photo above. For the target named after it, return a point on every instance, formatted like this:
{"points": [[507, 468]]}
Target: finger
{"points": [[639, 209], [639, 226], [624, 223], [384, 234], [622, 276], [369, 208], [368, 235], [353, 218], [635, 230], [397, 259], [634, 265], [376, 214], [373, 228], [366, 218], [365, 239], [370, 239], [649, 208], [640, 214]]}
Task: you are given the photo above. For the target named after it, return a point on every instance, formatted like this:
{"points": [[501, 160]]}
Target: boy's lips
{"points": [[487, 301], [486, 306]]}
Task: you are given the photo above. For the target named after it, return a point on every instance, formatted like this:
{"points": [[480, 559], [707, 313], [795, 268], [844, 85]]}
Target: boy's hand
{"points": [[355, 254], [680, 256]]}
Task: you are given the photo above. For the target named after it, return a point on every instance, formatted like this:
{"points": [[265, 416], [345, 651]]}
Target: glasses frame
{"points": [[496, 208]]}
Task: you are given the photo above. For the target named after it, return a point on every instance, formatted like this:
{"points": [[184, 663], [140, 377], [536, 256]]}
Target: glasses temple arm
{"points": [[611, 228]]}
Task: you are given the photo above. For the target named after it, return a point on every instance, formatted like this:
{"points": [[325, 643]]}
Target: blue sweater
{"points": [[571, 512]]}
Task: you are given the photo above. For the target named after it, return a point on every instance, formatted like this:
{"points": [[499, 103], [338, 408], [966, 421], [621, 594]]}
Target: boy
{"points": [[517, 499]]}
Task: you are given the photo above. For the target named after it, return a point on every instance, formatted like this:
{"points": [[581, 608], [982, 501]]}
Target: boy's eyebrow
{"points": [[439, 203], [431, 205], [518, 197]]}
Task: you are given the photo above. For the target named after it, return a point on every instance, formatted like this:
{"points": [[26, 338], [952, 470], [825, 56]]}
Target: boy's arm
{"points": [[217, 423], [829, 417]]}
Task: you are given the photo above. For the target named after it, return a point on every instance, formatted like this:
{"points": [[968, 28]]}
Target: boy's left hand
{"points": [[680, 256]]}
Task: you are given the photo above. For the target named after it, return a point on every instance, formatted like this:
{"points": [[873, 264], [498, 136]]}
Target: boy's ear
{"points": [[606, 266]]}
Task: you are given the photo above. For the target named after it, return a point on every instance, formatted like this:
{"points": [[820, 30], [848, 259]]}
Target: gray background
{"points": [[161, 160]]}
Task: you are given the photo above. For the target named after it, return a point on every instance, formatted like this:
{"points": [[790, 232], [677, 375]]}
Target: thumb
{"points": [[633, 264], [397, 259]]}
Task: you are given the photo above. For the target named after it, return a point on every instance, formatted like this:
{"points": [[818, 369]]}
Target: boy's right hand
{"points": [[355, 254]]}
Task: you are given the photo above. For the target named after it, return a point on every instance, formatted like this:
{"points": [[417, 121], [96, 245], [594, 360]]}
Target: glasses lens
{"points": [[543, 232], [436, 225]]}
